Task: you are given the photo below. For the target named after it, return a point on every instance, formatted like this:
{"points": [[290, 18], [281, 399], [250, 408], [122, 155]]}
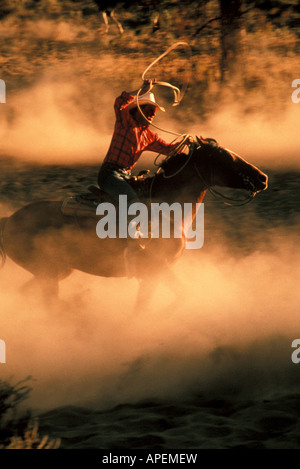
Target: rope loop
{"points": [[178, 95], [176, 90]]}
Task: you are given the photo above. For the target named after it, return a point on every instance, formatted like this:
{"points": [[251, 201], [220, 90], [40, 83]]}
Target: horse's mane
{"points": [[172, 164]]}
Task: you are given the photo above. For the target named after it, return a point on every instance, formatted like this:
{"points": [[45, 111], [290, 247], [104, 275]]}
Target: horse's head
{"points": [[218, 166]]}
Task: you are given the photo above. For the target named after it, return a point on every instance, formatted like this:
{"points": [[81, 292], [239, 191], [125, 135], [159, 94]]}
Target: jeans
{"points": [[113, 181]]}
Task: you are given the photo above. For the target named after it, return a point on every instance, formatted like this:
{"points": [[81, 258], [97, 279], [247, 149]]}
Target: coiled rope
{"points": [[178, 95], [184, 139]]}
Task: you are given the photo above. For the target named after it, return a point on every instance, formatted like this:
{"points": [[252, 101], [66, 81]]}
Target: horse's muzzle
{"points": [[256, 182], [262, 183]]}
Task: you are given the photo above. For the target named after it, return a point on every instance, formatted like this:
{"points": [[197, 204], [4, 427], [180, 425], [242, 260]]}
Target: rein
{"points": [[178, 96], [216, 194], [179, 147]]}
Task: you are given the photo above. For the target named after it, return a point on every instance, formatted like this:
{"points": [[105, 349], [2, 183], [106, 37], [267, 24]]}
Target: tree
{"points": [[231, 41], [4, 9]]}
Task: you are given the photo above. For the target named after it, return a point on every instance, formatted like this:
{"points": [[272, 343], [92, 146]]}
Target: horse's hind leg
{"points": [[45, 287]]}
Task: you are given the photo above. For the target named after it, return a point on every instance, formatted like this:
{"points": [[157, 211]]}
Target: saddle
{"points": [[85, 204]]}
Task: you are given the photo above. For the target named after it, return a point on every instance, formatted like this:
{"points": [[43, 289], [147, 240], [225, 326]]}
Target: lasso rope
{"points": [[179, 147], [177, 92], [178, 95]]}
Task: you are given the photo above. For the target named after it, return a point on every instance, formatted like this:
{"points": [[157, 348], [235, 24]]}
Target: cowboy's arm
{"points": [[160, 146], [121, 109]]}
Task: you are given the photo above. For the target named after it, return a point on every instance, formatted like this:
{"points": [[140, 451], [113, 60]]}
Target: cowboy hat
{"points": [[147, 98]]}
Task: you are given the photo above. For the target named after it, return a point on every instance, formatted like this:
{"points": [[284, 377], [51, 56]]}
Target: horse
{"points": [[49, 244]]}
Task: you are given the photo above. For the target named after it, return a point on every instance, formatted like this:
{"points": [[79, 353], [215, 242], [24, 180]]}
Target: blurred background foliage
{"points": [[241, 50]]}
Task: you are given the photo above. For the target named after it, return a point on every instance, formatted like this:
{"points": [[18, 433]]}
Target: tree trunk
{"points": [[231, 43]]}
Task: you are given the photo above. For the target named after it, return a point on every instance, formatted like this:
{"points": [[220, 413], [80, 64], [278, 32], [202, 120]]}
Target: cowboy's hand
{"points": [[148, 85]]}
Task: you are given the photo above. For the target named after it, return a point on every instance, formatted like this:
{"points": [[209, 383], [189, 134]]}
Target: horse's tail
{"points": [[2, 250]]}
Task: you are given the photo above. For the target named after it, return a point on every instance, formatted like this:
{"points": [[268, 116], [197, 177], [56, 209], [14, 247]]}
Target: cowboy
{"points": [[131, 137], [134, 113]]}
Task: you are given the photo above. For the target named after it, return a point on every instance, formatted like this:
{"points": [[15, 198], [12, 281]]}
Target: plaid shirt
{"points": [[129, 140]]}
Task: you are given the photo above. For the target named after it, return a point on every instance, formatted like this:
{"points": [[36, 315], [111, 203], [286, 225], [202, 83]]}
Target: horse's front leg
{"points": [[44, 289], [146, 290], [148, 286], [172, 281]]}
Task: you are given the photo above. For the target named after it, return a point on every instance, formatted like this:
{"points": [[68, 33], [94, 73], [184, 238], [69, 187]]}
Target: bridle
{"points": [[178, 95], [216, 194], [207, 185]]}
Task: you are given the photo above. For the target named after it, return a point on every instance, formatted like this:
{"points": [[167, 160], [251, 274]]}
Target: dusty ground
{"points": [[212, 372], [213, 368]]}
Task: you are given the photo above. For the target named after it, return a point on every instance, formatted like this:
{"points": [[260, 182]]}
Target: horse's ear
{"points": [[213, 142], [207, 141]]}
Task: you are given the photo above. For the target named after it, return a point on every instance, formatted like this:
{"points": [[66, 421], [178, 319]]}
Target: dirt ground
{"points": [[209, 367], [213, 371]]}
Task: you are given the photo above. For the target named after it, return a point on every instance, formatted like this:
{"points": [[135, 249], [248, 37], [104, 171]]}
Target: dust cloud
{"points": [[58, 121], [45, 124], [229, 328], [272, 142]]}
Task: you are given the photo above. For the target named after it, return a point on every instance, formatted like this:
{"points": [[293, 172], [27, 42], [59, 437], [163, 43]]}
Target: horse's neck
{"points": [[189, 192], [178, 189]]}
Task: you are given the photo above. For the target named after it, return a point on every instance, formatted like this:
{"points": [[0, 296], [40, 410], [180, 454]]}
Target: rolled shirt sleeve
{"points": [[121, 109]]}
